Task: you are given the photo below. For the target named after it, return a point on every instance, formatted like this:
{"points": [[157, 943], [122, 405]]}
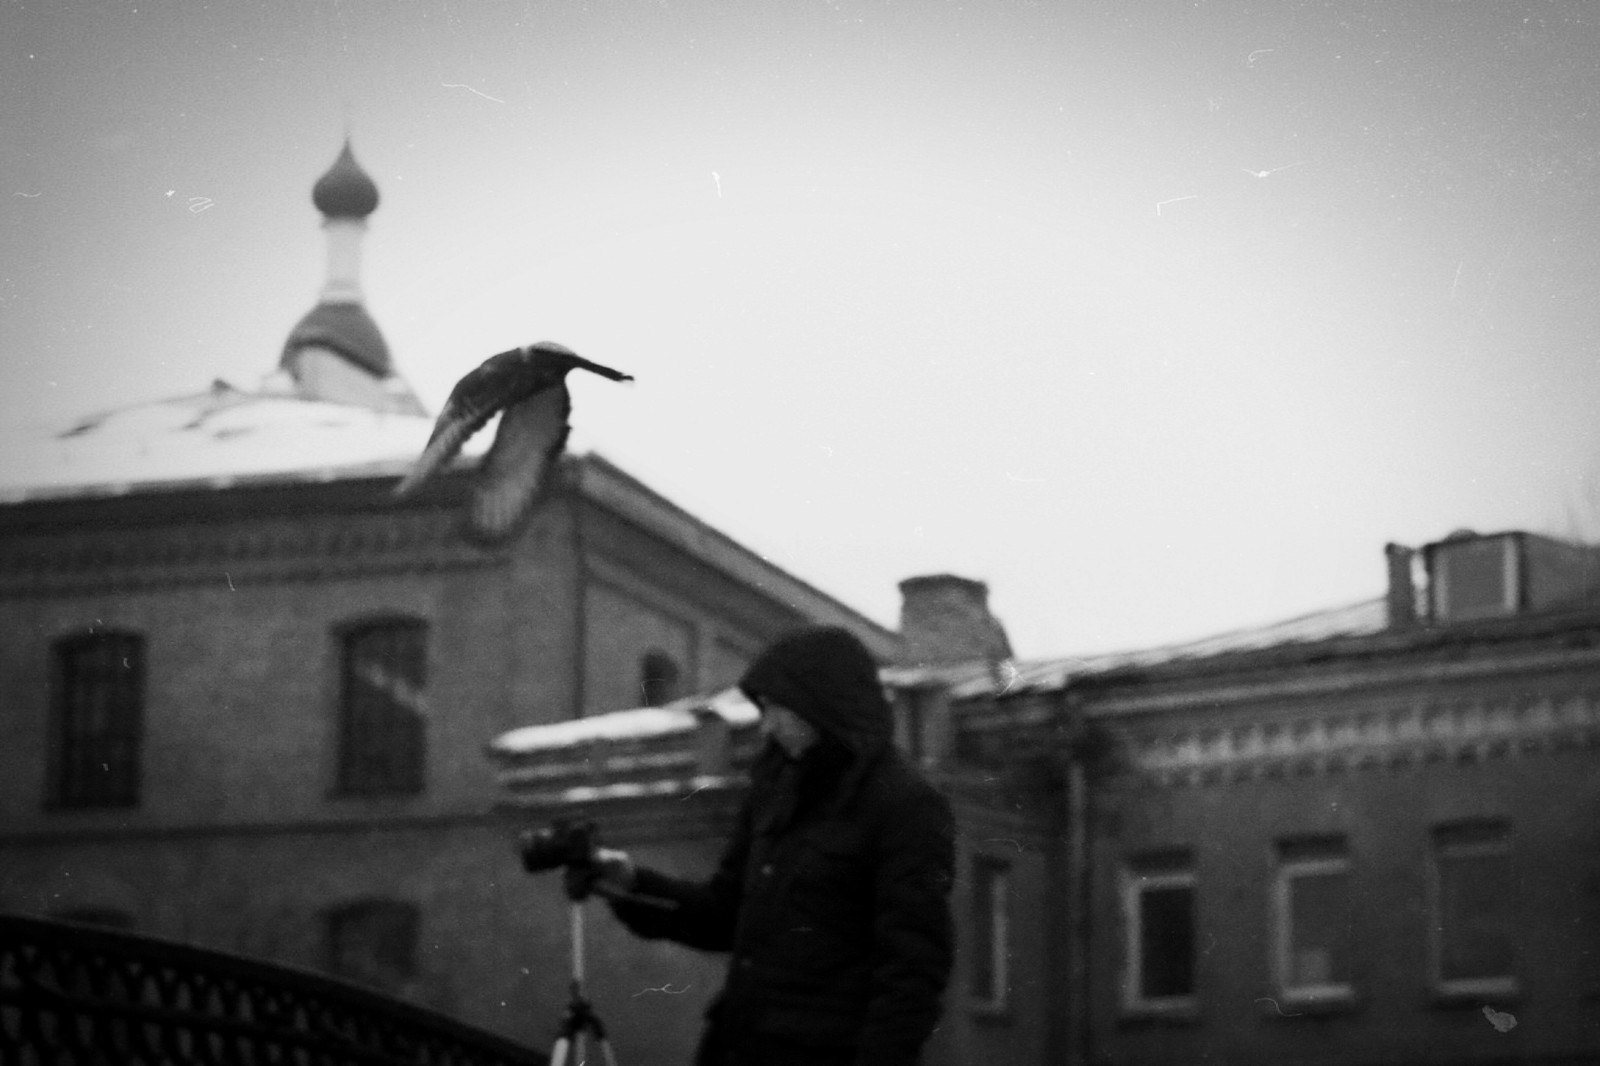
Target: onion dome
{"points": [[345, 328], [345, 191]]}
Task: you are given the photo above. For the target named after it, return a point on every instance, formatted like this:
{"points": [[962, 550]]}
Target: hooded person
{"points": [[833, 892]]}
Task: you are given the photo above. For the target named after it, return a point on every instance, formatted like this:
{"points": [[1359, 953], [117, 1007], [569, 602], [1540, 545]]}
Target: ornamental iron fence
{"points": [[73, 995]]}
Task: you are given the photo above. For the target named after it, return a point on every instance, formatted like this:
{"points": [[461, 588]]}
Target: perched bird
{"points": [[529, 385]]}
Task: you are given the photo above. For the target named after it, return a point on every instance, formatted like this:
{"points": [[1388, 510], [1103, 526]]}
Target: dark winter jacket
{"points": [[833, 893]]}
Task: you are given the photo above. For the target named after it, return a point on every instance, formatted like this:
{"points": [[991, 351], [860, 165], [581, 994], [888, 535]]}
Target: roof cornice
{"points": [[1337, 739], [1332, 679], [244, 534]]}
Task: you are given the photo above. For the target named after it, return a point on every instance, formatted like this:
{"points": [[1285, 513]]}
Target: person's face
{"points": [[788, 730]]}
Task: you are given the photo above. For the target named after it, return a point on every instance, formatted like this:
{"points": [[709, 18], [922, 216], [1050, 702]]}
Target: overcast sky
{"points": [[1161, 318]]}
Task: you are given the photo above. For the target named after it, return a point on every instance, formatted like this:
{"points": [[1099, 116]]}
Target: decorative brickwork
{"points": [[1454, 732], [263, 549]]}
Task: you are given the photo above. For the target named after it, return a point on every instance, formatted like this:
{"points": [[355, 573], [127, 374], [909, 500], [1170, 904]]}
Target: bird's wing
{"points": [[497, 383], [521, 460]]}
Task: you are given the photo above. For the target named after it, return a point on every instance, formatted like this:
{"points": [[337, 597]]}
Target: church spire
{"points": [[346, 196], [345, 191]]}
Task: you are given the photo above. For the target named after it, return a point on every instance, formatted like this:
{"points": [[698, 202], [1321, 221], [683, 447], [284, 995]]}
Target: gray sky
{"points": [[1159, 317]]}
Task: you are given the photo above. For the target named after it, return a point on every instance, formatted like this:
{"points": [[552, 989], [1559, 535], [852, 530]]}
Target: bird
{"points": [[528, 384]]}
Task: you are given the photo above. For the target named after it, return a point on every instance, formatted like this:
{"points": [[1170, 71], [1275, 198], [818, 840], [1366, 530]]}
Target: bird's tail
{"points": [[603, 371]]}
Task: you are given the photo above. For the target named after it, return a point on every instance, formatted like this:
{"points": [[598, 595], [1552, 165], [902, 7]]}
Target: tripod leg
{"points": [[581, 1023]]}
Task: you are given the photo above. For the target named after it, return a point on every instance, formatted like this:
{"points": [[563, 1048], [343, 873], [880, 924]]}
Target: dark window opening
{"points": [[1166, 951], [1314, 917], [989, 977], [1319, 929], [659, 679], [98, 711], [911, 722], [382, 734], [1476, 910]]}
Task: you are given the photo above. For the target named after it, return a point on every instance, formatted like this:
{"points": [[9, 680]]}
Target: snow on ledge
{"points": [[639, 723], [617, 725], [636, 789]]}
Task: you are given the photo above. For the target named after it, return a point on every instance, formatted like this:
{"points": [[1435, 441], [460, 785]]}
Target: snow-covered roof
{"points": [[220, 436], [653, 752], [226, 436], [1013, 677], [680, 716], [962, 680]]}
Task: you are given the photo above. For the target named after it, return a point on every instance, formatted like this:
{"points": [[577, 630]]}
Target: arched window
{"points": [[97, 710], [658, 679], [382, 730]]}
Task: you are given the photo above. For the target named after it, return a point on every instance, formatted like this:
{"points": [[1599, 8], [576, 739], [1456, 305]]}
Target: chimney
{"points": [[946, 619], [1402, 596]]}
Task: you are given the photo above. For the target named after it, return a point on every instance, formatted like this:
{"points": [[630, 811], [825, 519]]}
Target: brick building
{"points": [[1364, 836], [246, 693]]}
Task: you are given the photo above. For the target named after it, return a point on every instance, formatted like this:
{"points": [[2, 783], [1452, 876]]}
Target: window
{"points": [[98, 709], [1474, 910], [1158, 900], [372, 941], [989, 979], [658, 679], [382, 735], [1311, 935]]}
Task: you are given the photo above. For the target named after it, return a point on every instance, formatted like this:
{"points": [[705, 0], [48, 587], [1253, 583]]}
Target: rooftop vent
{"points": [[1473, 576]]}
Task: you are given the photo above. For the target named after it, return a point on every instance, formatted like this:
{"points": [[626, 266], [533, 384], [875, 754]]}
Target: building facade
{"points": [[1364, 836]]}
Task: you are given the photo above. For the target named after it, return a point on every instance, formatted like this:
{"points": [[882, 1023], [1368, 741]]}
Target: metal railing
{"points": [[72, 995]]}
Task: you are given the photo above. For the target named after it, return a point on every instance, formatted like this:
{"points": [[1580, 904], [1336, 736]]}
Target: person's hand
{"points": [[617, 872], [610, 873]]}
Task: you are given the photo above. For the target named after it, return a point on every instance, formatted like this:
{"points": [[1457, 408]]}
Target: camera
{"points": [[561, 843]]}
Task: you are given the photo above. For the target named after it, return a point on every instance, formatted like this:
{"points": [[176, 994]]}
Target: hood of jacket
{"points": [[826, 676]]}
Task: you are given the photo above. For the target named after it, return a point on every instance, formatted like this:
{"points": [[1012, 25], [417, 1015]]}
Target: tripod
{"points": [[580, 1021]]}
